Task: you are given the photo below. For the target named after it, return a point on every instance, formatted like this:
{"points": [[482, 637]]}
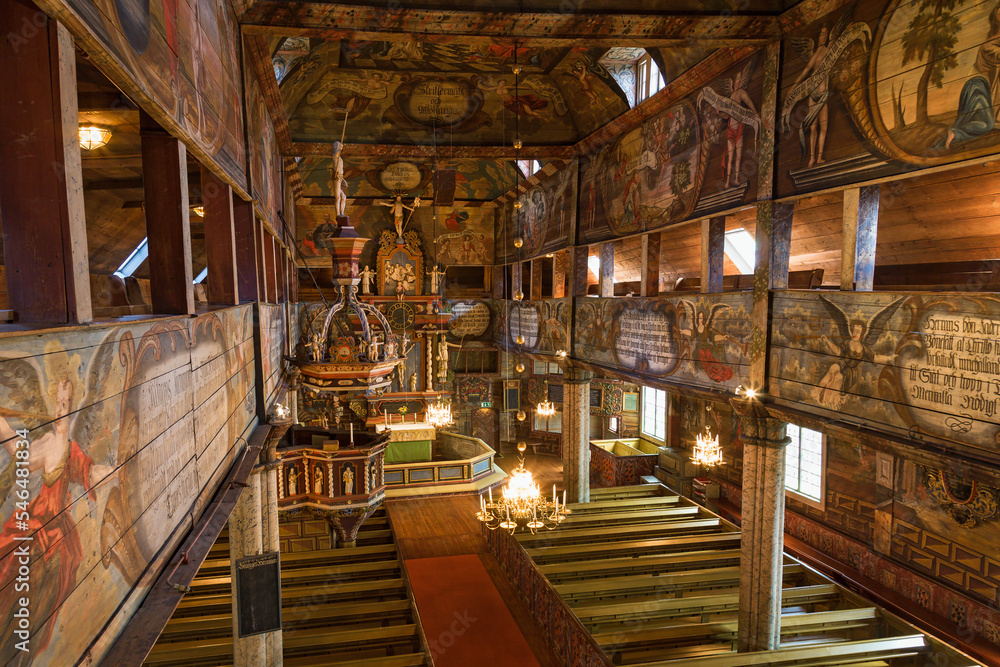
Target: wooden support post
{"points": [[859, 236], [168, 227], [516, 273], [576, 435], [499, 276], [713, 254], [260, 240], [41, 181], [607, 276], [649, 278], [220, 239], [762, 526], [781, 244], [246, 539], [246, 250], [537, 265], [580, 270], [269, 270], [559, 264]]}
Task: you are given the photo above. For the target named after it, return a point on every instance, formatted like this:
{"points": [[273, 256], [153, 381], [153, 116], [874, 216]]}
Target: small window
{"points": [[648, 80], [741, 250], [551, 424], [805, 463], [654, 413], [529, 167], [134, 260]]}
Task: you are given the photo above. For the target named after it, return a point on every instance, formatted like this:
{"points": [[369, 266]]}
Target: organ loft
{"points": [[499, 333]]}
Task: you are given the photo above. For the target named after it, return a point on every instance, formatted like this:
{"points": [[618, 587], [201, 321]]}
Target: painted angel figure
{"points": [[709, 344], [855, 345], [63, 465], [813, 83], [735, 90]]}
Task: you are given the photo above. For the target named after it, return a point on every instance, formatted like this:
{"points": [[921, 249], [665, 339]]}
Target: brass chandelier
{"points": [[439, 414], [521, 504]]}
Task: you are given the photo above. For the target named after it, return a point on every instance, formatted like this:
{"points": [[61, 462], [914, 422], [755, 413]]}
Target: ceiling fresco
{"points": [[404, 92], [482, 180]]}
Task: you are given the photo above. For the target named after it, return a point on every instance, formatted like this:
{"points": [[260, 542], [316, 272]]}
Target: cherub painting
{"points": [[855, 345]]}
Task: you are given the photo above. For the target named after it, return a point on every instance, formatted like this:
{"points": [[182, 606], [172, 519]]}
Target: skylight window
{"points": [[741, 250], [201, 276], [529, 167], [134, 260], [594, 263]]}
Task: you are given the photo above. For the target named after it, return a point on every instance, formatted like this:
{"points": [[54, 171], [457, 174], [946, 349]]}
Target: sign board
{"points": [[486, 404], [258, 594]]}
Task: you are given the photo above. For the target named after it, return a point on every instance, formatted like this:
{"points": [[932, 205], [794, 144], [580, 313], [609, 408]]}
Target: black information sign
{"points": [[258, 594]]}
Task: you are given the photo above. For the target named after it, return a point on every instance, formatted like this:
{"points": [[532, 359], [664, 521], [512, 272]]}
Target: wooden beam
{"points": [[649, 275], [41, 183], [606, 284], [526, 29], [299, 148], [246, 250], [220, 239], [713, 254], [271, 288], [537, 266], [112, 161], [168, 227], [859, 235], [127, 183], [579, 269]]}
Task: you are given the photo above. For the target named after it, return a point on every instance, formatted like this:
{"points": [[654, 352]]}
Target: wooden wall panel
{"points": [[272, 331], [265, 157], [921, 363], [548, 214], [878, 98], [702, 340], [179, 61], [133, 394]]}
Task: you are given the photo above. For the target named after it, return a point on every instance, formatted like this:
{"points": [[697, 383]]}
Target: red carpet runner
{"points": [[464, 617]]}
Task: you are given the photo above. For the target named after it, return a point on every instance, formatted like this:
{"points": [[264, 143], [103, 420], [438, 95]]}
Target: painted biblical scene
{"points": [[920, 365], [879, 88], [699, 340], [265, 157], [125, 427], [545, 219], [461, 93], [543, 324], [185, 57], [697, 156]]}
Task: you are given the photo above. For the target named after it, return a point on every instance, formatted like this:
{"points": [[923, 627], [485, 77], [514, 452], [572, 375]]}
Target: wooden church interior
{"points": [[261, 400]]}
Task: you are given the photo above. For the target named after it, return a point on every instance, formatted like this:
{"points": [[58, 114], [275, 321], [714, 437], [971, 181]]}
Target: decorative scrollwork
{"points": [[968, 503]]}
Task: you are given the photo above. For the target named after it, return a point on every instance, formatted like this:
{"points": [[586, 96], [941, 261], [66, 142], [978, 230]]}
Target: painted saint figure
{"points": [[817, 114], [348, 479], [366, 280], [55, 540], [980, 96], [317, 480], [732, 162]]}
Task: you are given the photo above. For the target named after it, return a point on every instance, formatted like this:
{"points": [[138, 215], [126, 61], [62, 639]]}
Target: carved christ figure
{"points": [[339, 195], [398, 207], [436, 275]]}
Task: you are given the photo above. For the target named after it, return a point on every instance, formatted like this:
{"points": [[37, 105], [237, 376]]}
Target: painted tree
{"points": [[931, 37]]}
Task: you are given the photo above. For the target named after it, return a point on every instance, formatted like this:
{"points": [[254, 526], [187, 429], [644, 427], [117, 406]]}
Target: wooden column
{"points": [[246, 539], [246, 250], [781, 244], [269, 530], [576, 435], [168, 228], [713, 254], [220, 239], [41, 181], [537, 266], [260, 237], [269, 270], [859, 235], [773, 235], [579, 270], [606, 285], [282, 268], [516, 273], [559, 264], [649, 278], [762, 526]]}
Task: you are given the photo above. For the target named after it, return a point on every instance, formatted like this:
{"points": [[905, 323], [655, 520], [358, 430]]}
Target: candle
{"points": [[557, 507], [554, 492], [564, 498], [352, 433], [482, 505], [508, 512], [491, 494]]}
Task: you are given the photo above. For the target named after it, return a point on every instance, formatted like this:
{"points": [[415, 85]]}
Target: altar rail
{"points": [[458, 461]]}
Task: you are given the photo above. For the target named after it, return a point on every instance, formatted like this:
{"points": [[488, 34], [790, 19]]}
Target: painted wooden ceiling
{"points": [[464, 94]]}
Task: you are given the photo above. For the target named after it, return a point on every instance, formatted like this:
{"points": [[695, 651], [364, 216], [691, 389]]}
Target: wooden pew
{"points": [[567, 553], [570, 535], [566, 572], [867, 652], [311, 575], [635, 491], [624, 504]]}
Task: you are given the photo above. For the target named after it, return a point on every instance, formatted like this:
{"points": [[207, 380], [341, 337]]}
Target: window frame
{"points": [[798, 495], [642, 414]]}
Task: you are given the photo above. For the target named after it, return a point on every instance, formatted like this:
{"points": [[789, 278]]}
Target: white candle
{"points": [[564, 498], [557, 506], [554, 492], [482, 504], [491, 494], [508, 512], [352, 433]]}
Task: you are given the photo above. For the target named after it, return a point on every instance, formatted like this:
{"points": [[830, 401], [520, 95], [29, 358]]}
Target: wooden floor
{"points": [[435, 527], [547, 470]]}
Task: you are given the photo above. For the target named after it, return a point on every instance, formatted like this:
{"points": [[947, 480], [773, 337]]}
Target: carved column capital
{"points": [[759, 426], [574, 375]]}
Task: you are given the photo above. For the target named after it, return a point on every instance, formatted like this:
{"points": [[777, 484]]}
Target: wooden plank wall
{"points": [[922, 364], [155, 413], [702, 340], [272, 332]]}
